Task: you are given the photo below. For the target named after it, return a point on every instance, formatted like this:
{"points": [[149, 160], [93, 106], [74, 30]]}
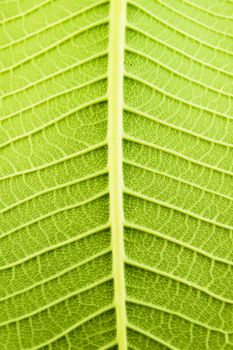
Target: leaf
{"points": [[116, 164]]}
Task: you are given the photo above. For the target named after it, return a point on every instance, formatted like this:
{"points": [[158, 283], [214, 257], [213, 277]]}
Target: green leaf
{"points": [[116, 164]]}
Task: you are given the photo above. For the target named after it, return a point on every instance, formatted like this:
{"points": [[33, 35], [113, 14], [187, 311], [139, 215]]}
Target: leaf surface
{"points": [[116, 164]]}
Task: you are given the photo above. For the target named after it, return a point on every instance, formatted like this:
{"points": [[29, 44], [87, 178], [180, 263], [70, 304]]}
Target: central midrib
{"points": [[115, 157]]}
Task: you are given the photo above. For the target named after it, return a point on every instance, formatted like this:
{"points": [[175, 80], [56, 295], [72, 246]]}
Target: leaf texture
{"points": [[116, 164]]}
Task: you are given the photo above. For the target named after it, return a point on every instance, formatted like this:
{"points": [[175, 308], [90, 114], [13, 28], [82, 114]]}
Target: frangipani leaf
{"points": [[116, 164]]}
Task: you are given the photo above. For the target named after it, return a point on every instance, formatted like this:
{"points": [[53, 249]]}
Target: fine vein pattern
{"points": [[116, 175]]}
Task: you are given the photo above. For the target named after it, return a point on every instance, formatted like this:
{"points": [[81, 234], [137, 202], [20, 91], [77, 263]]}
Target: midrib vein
{"points": [[115, 159]]}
